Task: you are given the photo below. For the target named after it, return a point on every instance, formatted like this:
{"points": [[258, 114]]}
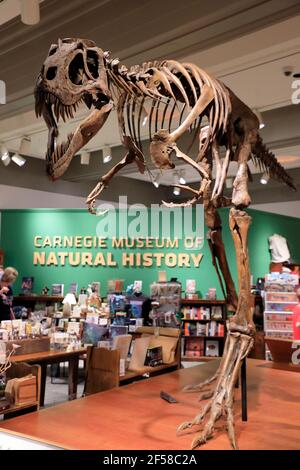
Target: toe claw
{"points": [[184, 425]]}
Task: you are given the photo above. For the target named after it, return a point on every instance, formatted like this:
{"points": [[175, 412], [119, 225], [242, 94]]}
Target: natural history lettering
{"points": [[51, 251]]}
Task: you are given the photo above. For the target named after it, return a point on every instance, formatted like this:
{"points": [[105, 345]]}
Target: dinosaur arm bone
{"points": [[133, 155]]}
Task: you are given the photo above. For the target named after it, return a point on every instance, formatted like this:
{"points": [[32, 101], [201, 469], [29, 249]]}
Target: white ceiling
{"points": [[250, 65]]}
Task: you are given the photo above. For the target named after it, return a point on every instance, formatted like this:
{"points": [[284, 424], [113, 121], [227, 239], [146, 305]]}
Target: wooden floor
{"points": [[135, 417]]}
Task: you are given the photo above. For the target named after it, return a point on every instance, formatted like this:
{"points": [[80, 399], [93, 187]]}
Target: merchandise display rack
{"points": [[280, 300], [197, 346]]}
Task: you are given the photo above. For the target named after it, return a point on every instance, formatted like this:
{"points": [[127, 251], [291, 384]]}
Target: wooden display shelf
{"points": [[205, 321], [15, 409], [202, 302], [202, 336], [198, 359], [38, 298]]}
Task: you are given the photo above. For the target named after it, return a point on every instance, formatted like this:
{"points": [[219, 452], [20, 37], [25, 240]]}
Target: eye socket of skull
{"points": [[51, 73], [53, 49], [92, 63], [76, 68]]}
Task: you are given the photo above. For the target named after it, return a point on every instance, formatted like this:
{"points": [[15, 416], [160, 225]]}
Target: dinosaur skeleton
{"points": [[75, 71]]}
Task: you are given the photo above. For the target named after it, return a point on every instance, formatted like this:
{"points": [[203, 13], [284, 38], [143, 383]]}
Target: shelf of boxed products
{"points": [[280, 300], [203, 328], [37, 298], [278, 314]]}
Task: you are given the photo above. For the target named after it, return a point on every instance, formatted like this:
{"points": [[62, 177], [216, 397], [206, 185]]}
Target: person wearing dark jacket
{"points": [[8, 277]]}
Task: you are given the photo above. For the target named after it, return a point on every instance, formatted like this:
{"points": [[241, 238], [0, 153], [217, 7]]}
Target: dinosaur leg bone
{"points": [[240, 341], [221, 403], [240, 195], [219, 259]]}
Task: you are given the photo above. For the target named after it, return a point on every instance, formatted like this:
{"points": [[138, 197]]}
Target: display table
{"points": [[135, 417], [53, 357]]}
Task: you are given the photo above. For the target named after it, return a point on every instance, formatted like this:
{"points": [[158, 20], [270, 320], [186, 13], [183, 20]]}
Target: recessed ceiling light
{"points": [[182, 179], [30, 11], [5, 158], [265, 178], [4, 151], [229, 183], [156, 180], [106, 154], [259, 117], [18, 160], [25, 146], [85, 158]]}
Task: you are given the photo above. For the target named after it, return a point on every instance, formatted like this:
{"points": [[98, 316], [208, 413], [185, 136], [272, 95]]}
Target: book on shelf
{"points": [[96, 287], [73, 288], [27, 285], [211, 293], [194, 347], [212, 348], [196, 313], [216, 313], [211, 328], [190, 286], [58, 289]]}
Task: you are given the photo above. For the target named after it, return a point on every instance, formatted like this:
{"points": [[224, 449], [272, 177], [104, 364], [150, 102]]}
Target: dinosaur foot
{"points": [[200, 387], [221, 402]]}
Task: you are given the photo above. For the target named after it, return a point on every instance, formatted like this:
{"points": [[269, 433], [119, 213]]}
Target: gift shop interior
{"points": [[149, 223]]}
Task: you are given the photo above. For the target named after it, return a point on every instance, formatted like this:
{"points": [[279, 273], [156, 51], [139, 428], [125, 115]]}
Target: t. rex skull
{"points": [[73, 71]]}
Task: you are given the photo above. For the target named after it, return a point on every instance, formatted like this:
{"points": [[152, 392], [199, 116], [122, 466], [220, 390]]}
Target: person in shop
{"points": [[8, 277], [296, 319]]}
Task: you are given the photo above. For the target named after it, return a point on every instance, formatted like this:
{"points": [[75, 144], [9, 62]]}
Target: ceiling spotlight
{"points": [[4, 151], [259, 117], [182, 179], [85, 158], [144, 116], [265, 178], [18, 160], [176, 191], [156, 180], [106, 154], [30, 11], [5, 158], [25, 146], [229, 183]]}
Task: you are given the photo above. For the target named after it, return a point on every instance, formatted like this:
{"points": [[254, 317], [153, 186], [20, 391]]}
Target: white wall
{"points": [[12, 197], [291, 208]]}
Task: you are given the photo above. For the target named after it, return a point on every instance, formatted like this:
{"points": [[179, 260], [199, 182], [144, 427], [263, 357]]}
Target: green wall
{"points": [[18, 228]]}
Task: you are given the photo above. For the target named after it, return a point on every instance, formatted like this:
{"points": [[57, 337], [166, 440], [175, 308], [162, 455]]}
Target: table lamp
{"points": [[68, 301]]}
